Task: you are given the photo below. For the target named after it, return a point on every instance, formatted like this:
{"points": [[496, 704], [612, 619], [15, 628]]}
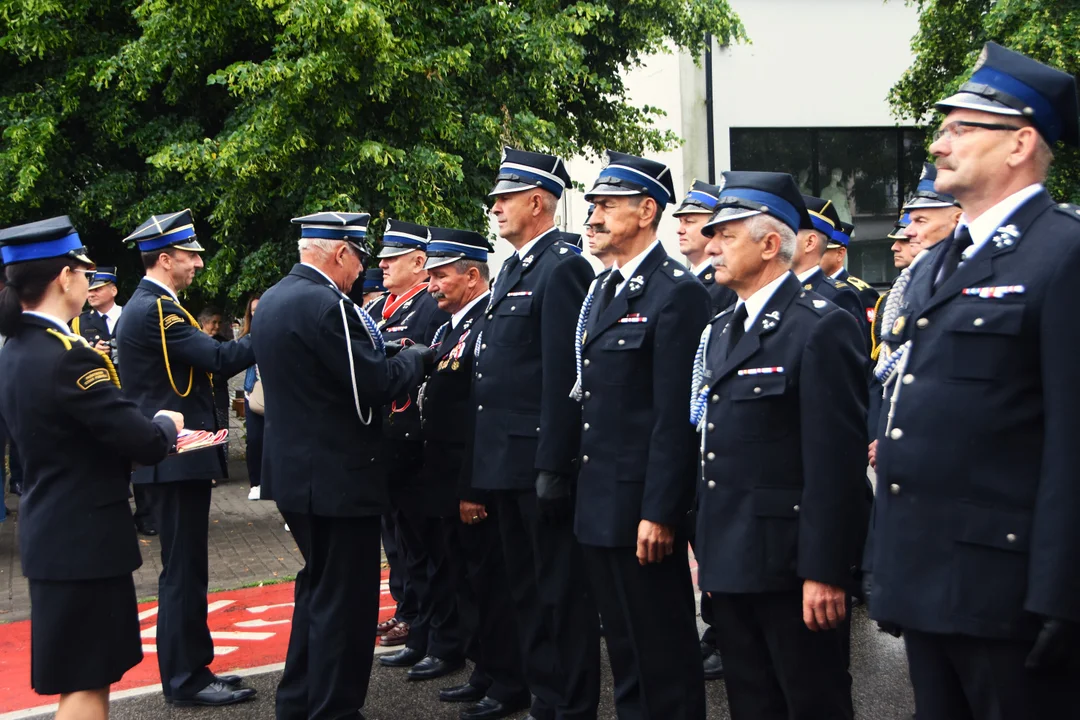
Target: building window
{"points": [[866, 172]]}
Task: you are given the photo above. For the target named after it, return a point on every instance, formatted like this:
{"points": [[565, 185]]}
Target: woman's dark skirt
{"points": [[84, 634]]}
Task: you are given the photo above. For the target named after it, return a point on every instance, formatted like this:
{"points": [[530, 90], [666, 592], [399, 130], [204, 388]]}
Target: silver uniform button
{"points": [[588, 394], [712, 484], [585, 362], [908, 379], [922, 322], [796, 508], [406, 434], [513, 308], [711, 456], [896, 433], [479, 375], [711, 427], [894, 489], [479, 408], [483, 346], [491, 315], [978, 322], [1011, 537], [621, 341], [757, 391], [586, 426], [584, 458], [716, 398]]}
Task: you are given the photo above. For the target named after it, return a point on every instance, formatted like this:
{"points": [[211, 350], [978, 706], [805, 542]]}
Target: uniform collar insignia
{"points": [[527, 261], [770, 320], [636, 282], [1005, 236]]}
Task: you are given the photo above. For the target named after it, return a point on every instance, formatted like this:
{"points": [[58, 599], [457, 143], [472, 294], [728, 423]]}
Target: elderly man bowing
{"points": [[779, 396]]}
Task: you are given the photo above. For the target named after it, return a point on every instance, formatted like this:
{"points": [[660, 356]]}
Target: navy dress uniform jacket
{"points": [[523, 375], [319, 457], [77, 437], [783, 496], [977, 501], [843, 296], [637, 448], [417, 320], [867, 294], [721, 296], [449, 418], [167, 364], [92, 325]]}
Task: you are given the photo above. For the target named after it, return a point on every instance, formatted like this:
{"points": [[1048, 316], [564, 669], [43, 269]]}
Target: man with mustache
{"points": [[976, 540]]}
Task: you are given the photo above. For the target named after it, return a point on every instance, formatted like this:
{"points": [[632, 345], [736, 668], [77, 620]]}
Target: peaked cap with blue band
{"points": [[925, 196], [898, 229], [1008, 83], [448, 245], [701, 199], [161, 231], [841, 237], [42, 240], [349, 227], [524, 170], [631, 175], [373, 280], [745, 194], [821, 215], [103, 276], [400, 238]]}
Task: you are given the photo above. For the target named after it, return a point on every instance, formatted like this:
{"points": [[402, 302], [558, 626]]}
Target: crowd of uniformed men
{"points": [[548, 444]]}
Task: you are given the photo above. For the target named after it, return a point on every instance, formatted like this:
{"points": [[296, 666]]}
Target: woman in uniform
{"points": [[78, 438]]}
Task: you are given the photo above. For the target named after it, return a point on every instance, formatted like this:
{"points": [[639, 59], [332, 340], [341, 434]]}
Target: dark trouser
{"points": [[184, 647], [651, 632], [401, 588], [487, 610], [708, 636], [431, 572], [144, 503], [965, 678], [556, 616], [254, 425], [15, 466], [776, 668], [328, 663]]}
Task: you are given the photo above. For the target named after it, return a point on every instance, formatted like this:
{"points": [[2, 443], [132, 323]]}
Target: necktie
{"points": [[960, 243], [509, 265], [737, 328], [607, 291]]}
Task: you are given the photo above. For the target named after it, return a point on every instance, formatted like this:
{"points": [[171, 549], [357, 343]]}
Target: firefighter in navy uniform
{"points": [[98, 324], [410, 314], [327, 376], [167, 362], [527, 435], [78, 437], [832, 264], [779, 397], [636, 335], [696, 208], [976, 540], [476, 574]]}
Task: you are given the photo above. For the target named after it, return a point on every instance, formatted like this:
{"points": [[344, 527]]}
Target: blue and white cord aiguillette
{"points": [[699, 397], [579, 339], [440, 333], [372, 329]]}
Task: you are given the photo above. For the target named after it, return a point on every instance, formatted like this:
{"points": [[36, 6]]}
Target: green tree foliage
{"points": [[951, 34], [254, 111]]}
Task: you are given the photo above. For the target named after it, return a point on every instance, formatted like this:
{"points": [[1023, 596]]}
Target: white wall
{"points": [[820, 63]]}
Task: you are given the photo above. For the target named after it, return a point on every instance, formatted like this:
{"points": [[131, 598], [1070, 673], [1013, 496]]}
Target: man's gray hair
{"points": [[322, 244], [463, 265], [761, 225]]}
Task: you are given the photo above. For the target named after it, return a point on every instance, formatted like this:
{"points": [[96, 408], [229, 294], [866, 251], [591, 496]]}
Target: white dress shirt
{"points": [[112, 317], [697, 269], [631, 267], [757, 302], [983, 227], [805, 274], [527, 247]]}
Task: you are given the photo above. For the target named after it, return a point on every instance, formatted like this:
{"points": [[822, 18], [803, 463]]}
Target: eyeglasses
{"points": [[960, 128], [89, 274]]}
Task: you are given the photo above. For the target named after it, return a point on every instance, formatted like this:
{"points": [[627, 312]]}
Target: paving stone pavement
{"points": [[248, 545]]}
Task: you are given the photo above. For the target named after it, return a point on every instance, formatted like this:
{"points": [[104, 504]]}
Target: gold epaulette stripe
{"points": [[69, 340]]}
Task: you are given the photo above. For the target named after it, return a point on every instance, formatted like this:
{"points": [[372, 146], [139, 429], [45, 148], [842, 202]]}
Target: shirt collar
{"points": [[698, 269], [457, 317], [983, 227], [114, 312], [52, 319], [836, 275], [757, 302], [164, 287], [807, 274], [627, 271], [527, 247]]}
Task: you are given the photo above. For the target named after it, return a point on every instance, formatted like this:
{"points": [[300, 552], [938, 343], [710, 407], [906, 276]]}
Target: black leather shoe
{"points": [[432, 667], [461, 693], [706, 649], [215, 694], [405, 657], [714, 667], [145, 528], [492, 709], [230, 680]]}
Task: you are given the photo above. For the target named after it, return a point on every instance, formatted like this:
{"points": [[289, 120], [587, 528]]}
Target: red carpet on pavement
{"points": [[250, 628]]}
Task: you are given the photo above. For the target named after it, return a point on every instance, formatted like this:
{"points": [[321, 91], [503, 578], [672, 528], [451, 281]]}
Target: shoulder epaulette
{"points": [[816, 303], [1069, 209], [875, 326], [564, 249], [840, 284], [722, 313], [858, 283], [676, 272], [89, 379]]}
